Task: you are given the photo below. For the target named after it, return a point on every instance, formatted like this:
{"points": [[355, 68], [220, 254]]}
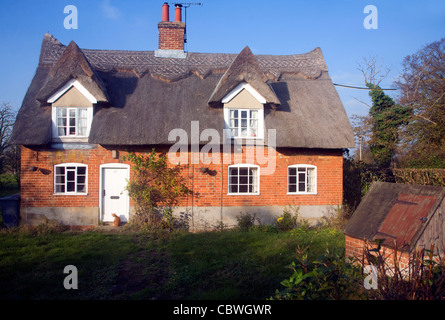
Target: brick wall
{"points": [[171, 35], [354, 249], [210, 189]]}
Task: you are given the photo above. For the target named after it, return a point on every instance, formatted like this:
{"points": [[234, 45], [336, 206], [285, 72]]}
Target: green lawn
{"points": [[124, 265]]}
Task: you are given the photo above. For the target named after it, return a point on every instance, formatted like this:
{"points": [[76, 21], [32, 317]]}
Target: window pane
{"points": [[81, 170], [82, 122], [61, 131], [80, 179], [292, 171], [61, 122], [311, 180], [301, 187], [80, 188], [253, 114], [243, 188], [60, 188], [70, 175], [70, 187], [292, 188], [243, 114], [60, 179]]}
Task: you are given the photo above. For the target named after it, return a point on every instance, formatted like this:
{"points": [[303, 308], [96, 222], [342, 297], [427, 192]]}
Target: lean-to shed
{"points": [[407, 217]]}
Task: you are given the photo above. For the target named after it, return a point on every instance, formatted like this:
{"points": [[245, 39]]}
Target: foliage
{"points": [[289, 219], [422, 89], [434, 177], [423, 279], [357, 178], [330, 277], [155, 189], [246, 221], [386, 118]]}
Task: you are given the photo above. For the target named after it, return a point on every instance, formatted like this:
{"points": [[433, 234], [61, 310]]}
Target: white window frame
{"points": [[55, 121], [313, 177], [255, 182], [260, 123], [65, 183]]}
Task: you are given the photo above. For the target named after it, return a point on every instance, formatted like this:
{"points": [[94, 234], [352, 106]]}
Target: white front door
{"points": [[114, 197]]}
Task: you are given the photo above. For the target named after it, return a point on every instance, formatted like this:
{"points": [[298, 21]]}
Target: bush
{"points": [[245, 221], [329, 277], [288, 220], [155, 188]]}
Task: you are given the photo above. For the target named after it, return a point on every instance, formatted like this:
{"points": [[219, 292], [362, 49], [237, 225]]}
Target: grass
{"points": [[8, 185], [125, 265]]}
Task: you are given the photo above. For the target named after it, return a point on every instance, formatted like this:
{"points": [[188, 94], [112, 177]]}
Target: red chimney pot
{"points": [[178, 12], [165, 14]]}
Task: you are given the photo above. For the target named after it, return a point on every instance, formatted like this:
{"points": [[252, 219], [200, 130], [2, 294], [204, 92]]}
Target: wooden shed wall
{"points": [[434, 232]]}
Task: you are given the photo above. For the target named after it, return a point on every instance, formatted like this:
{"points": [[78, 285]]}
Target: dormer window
{"points": [[244, 113], [72, 113]]}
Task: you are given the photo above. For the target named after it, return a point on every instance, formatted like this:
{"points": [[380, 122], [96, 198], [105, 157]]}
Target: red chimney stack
{"points": [[171, 33]]}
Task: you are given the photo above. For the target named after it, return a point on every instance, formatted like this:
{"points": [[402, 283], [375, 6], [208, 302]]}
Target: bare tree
{"points": [[9, 154], [422, 88], [373, 71]]}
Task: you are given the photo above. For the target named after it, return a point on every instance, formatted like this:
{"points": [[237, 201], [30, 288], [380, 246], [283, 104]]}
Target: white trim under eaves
{"points": [[67, 86], [244, 85]]}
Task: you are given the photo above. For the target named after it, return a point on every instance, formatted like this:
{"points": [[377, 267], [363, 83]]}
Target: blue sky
{"points": [[267, 27]]}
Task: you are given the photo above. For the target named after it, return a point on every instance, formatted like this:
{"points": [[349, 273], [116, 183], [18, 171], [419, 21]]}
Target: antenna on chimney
{"points": [[186, 5]]}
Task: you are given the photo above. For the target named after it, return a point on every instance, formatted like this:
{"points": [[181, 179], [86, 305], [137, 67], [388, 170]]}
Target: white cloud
{"points": [[111, 12]]}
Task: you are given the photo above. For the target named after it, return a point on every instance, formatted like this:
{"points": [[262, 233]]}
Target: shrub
{"points": [[329, 277], [155, 189], [423, 279], [288, 220], [245, 221]]}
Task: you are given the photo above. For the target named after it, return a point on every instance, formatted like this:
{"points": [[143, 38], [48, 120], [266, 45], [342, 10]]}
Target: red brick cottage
{"points": [[256, 133]]}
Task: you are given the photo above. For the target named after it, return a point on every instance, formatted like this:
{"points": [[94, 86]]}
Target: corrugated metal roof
{"points": [[393, 211], [405, 218]]}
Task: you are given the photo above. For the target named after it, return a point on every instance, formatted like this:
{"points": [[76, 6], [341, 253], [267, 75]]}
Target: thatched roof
{"points": [[245, 68], [142, 97], [395, 212], [72, 64]]}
